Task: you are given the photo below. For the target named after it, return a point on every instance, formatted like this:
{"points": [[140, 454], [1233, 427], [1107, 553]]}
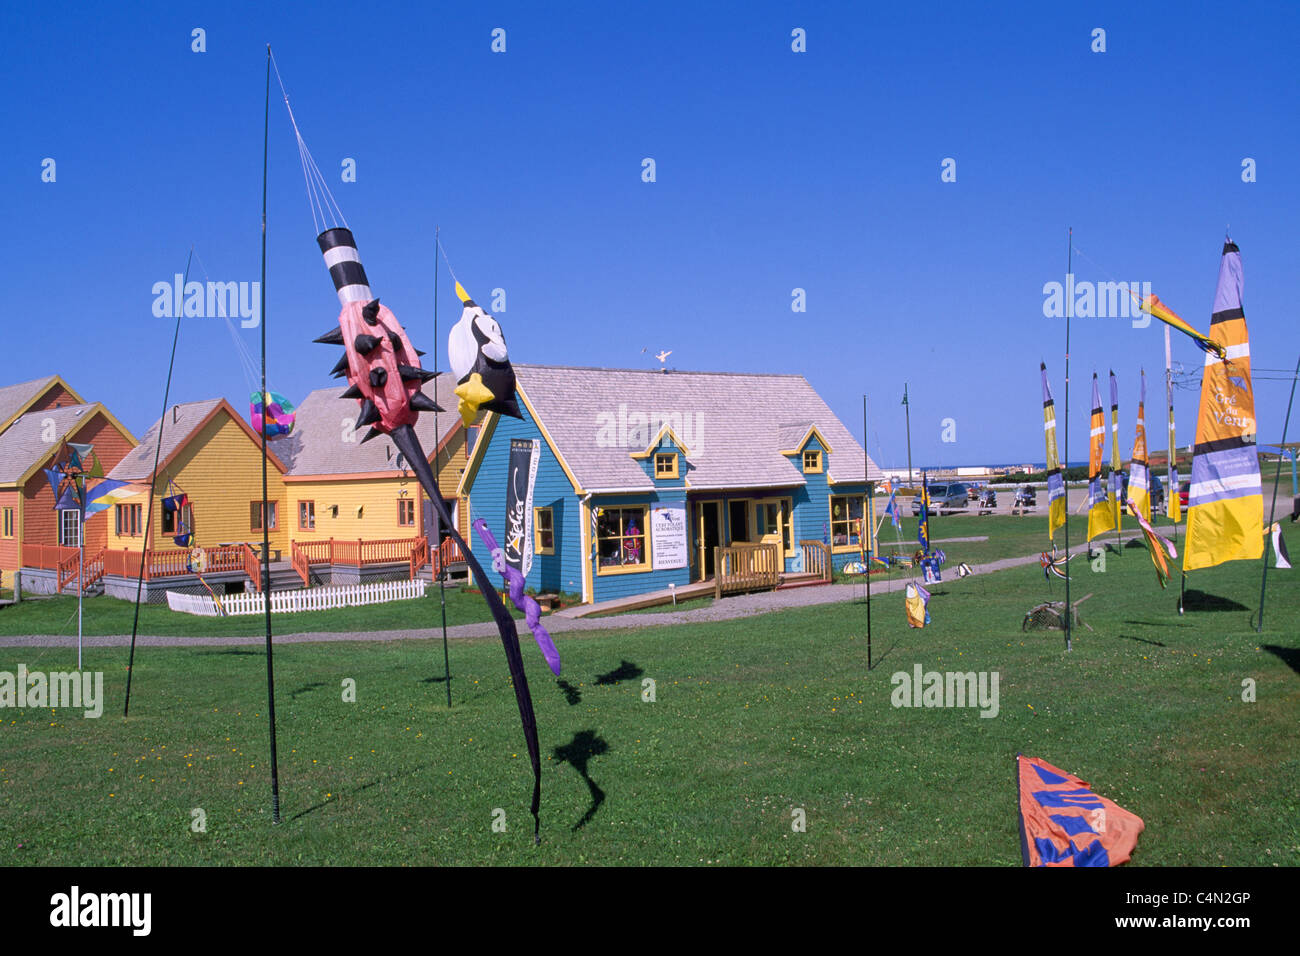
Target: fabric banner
{"points": [[1139, 490], [1064, 823], [524, 457], [1225, 504], [1101, 517], [1055, 482], [1115, 489]]}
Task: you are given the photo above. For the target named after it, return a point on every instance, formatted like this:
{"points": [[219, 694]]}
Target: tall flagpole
{"points": [[442, 572], [1172, 470], [908, 412], [266, 510], [1069, 307], [1272, 511], [153, 481], [866, 523]]}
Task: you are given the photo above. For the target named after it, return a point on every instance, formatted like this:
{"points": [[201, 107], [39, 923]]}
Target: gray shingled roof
{"points": [[179, 423], [14, 397], [316, 446], [26, 441], [734, 424]]}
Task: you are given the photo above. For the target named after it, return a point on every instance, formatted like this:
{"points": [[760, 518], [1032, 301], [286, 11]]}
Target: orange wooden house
{"points": [[36, 419]]}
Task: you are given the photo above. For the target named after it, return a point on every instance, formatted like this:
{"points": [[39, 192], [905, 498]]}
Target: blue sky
{"points": [[775, 170]]}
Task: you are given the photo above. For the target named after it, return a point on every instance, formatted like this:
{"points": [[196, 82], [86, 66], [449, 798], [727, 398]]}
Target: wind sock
{"points": [[915, 601], [1116, 486], [1101, 517], [476, 351], [1225, 506], [1053, 563], [278, 411], [1139, 490], [384, 375], [1153, 306], [525, 602], [1157, 544], [1064, 823], [1055, 482], [110, 492], [1280, 557]]}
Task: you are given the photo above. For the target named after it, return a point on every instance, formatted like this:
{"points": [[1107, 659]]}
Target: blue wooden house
{"points": [[641, 474]]}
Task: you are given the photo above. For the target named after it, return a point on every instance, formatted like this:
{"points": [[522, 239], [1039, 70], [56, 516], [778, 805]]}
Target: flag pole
{"points": [[866, 483], [1171, 472], [1069, 307], [442, 572], [1272, 510], [153, 480], [907, 411], [266, 510]]}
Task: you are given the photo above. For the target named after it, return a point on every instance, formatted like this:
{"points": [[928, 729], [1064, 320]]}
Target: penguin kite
{"points": [[476, 351]]}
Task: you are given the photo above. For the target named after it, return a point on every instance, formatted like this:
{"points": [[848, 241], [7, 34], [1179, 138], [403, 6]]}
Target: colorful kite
{"points": [[915, 602], [279, 413], [923, 526], [1101, 517], [476, 351], [1053, 564], [1055, 482], [385, 377], [1153, 306], [1281, 559], [1139, 491], [525, 602], [1157, 544], [1064, 823], [1225, 505]]}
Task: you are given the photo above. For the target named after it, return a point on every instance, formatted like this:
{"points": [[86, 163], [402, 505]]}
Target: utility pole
{"points": [[907, 411]]}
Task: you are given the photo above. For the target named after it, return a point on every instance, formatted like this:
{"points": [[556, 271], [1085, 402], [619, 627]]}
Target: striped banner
{"points": [[1101, 516], [1225, 506], [1055, 482], [1139, 484], [1116, 485]]}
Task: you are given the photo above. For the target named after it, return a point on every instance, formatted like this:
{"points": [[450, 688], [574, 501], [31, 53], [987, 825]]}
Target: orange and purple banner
{"points": [[1225, 503], [1101, 516], [1064, 823]]}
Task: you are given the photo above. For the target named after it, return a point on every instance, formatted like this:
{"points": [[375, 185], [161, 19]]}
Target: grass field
{"points": [[753, 719]]}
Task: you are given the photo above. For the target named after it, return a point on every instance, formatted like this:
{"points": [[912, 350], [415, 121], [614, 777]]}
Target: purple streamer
{"points": [[524, 602]]}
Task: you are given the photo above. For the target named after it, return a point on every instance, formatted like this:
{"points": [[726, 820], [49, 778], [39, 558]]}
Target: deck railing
{"points": [[749, 567], [70, 568], [359, 553], [817, 558]]}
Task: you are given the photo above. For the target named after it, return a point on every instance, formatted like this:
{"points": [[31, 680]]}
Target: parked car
{"points": [[943, 498], [1183, 488]]}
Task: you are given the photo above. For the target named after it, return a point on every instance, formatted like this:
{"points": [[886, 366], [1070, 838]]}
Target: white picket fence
{"points": [[310, 599]]}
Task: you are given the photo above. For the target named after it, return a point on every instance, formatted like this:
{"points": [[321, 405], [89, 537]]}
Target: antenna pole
{"points": [[442, 572], [1069, 307], [1272, 511], [266, 510], [153, 480]]}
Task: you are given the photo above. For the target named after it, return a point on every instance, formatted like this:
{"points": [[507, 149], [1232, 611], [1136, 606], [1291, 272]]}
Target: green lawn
{"points": [[106, 615], [753, 719]]}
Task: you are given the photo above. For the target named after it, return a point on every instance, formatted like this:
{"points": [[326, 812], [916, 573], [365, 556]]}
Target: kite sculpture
{"points": [[384, 375], [1063, 822]]}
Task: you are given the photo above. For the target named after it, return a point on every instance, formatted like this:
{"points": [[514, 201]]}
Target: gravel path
{"points": [[745, 605]]}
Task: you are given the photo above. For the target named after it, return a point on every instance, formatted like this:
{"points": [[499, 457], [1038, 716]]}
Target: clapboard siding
{"points": [[220, 468]]}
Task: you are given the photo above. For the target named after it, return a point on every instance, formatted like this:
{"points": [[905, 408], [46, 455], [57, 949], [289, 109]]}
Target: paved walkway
{"points": [[745, 605]]}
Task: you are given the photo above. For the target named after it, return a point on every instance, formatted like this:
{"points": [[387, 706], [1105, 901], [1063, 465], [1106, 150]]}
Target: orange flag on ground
{"points": [[1063, 823]]}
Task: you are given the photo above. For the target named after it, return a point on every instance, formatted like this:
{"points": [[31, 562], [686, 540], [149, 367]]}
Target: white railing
{"points": [[312, 599]]}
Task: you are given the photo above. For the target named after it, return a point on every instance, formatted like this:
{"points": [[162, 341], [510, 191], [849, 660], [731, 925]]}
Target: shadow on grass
{"points": [[1200, 601], [577, 753], [1289, 656], [1143, 640], [304, 689], [626, 670], [333, 799], [233, 652], [571, 694]]}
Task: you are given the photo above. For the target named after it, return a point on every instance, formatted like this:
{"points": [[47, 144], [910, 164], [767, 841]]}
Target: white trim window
{"points": [[69, 527]]}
